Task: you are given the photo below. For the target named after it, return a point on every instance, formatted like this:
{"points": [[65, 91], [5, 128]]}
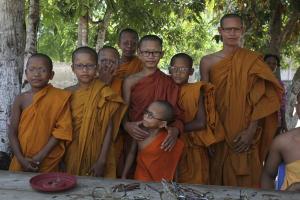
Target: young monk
{"points": [[273, 62], [153, 163], [248, 98], [201, 125], [96, 112], [41, 120], [285, 148], [141, 89]]}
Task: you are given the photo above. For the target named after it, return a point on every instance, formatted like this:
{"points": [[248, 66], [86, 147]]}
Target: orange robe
{"points": [[92, 108], [155, 164], [194, 164], [124, 70], [48, 115], [246, 91], [292, 174]]}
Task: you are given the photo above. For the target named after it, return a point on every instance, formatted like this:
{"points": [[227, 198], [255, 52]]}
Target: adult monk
{"points": [[96, 113], [41, 120], [247, 99], [141, 89]]}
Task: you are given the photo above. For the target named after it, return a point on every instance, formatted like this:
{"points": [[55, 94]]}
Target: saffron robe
{"points": [[155, 164], [194, 164], [292, 174], [246, 91], [48, 115], [92, 108]]}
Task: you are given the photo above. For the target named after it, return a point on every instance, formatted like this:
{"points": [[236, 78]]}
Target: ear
{"points": [[163, 124], [51, 75], [191, 71], [220, 30], [162, 54]]}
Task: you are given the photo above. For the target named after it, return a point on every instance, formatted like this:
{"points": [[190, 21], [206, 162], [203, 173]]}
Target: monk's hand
{"points": [[106, 73], [98, 169], [171, 139], [28, 165], [243, 141], [135, 131]]}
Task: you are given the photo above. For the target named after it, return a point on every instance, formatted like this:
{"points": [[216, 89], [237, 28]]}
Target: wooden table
{"points": [[16, 186]]}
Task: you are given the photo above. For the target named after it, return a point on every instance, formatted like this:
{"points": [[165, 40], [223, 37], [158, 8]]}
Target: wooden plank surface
{"points": [[16, 186]]}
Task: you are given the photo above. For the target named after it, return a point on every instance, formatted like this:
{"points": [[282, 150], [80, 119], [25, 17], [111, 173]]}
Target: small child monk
{"points": [[41, 120], [153, 163]]}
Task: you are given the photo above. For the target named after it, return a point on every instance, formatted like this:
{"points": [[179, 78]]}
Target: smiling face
{"points": [[181, 70], [150, 52], [38, 72], [231, 31], [84, 66]]}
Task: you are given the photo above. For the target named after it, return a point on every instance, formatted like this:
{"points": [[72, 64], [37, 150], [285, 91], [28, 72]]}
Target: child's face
{"points": [[180, 71], [128, 44], [152, 118], [150, 52], [38, 72], [272, 62], [108, 59], [84, 67]]}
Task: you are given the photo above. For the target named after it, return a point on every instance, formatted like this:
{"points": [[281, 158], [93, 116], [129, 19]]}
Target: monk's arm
{"points": [[131, 127], [99, 166], [204, 69], [199, 122], [271, 166], [41, 155], [130, 159], [13, 129]]}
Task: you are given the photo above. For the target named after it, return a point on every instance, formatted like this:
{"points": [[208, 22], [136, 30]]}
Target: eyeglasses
{"points": [[39, 70], [179, 69], [230, 29], [150, 115], [105, 61], [153, 53], [87, 66]]}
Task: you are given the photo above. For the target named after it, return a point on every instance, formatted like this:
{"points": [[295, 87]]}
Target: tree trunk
{"points": [[32, 29], [102, 28], [83, 27], [293, 90], [12, 44]]}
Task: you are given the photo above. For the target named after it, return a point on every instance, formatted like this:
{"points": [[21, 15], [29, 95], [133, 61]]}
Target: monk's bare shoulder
{"points": [[72, 88], [206, 63], [285, 140]]}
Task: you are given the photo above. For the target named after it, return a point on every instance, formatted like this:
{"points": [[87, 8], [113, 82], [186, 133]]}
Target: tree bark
{"points": [[83, 27], [293, 90], [102, 28], [12, 44]]}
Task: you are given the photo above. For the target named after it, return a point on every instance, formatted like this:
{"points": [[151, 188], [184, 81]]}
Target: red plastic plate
{"points": [[53, 182]]}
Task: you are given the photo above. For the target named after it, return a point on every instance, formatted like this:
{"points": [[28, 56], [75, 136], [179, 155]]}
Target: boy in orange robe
{"points": [[201, 125], [153, 163], [96, 112], [141, 89], [41, 121]]}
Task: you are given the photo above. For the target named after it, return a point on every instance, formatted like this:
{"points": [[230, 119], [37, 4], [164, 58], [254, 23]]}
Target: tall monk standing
{"points": [[141, 89], [41, 120], [247, 99], [201, 124], [96, 112]]}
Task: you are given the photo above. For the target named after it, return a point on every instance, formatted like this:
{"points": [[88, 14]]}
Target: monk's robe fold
{"points": [[246, 91], [92, 108], [194, 164], [48, 115], [292, 174], [157, 86], [133, 66], [155, 164]]}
